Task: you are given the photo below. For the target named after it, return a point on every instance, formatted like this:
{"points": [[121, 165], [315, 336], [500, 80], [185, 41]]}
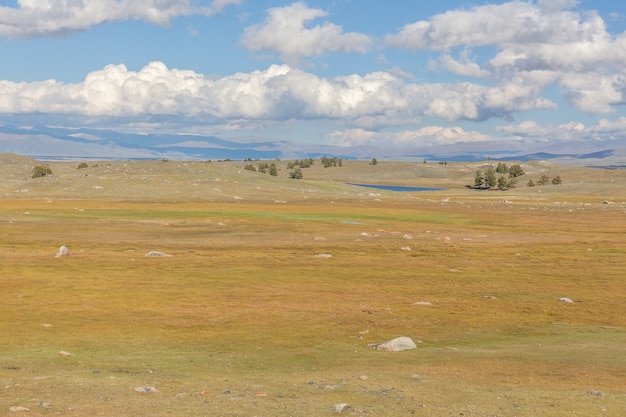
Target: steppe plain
{"points": [[275, 287]]}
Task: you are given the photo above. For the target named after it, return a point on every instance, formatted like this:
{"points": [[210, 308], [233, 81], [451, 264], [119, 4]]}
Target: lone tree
{"points": [[273, 170], [374, 161], [41, 171], [296, 174]]}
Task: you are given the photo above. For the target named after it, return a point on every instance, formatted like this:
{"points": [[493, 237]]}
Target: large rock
{"points": [[63, 251], [396, 345]]}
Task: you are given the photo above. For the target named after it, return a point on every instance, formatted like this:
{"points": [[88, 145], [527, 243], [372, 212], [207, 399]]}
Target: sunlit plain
{"points": [[246, 318]]}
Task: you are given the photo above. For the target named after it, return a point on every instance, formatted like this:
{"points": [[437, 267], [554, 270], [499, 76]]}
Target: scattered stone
{"points": [[363, 378], [405, 248], [18, 408], [565, 300], [596, 393], [365, 234], [46, 324], [64, 353], [490, 297], [156, 254], [423, 303], [364, 332], [324, 255], [395, 345], [341, 407], [63, 251], [319, 239], [44, 404], [407, 236], [149, 390]]}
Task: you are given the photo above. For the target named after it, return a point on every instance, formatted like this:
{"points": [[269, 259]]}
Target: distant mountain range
{"points": [[54, 143]]}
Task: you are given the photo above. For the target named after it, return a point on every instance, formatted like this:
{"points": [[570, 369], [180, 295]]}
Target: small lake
{"points": [[399, 188]]}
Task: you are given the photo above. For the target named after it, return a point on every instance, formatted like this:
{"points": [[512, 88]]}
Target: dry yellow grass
{"points": [[243, 307]]}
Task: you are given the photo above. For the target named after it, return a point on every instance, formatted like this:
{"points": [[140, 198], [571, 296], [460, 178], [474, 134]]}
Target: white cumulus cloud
{"points": [[285, 31], [33, 18], [277, 93], [548, 38]]}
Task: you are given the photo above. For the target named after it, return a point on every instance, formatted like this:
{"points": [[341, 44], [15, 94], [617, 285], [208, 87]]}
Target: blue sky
{"points": [[336, 72]]}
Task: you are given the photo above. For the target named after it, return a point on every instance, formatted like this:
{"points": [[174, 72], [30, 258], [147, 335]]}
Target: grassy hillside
{"points": [[246, 318]]}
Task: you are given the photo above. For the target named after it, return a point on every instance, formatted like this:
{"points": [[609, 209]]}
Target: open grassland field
{"points": [[274, 288]]}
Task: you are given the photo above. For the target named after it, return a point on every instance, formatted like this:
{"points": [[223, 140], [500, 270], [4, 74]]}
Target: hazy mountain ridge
{"points": [[56, 143]]}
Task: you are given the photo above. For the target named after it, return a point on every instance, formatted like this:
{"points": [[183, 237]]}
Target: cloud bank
{"points": [[278, 93]]}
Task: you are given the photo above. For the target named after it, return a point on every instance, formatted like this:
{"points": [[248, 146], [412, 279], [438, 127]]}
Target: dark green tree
{"points": [[41, 171], [516, 171], [502, 168], [296, 174], [490, 177], [478, 179], [502, 183]]}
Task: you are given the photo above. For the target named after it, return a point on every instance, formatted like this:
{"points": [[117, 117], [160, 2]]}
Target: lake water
{"points": [[399, 188]]}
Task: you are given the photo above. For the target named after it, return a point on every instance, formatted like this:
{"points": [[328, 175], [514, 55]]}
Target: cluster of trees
{"points": [[514, 170], [489, 178], [296, 166], [331, 162], [304, 163], [545, 180], [263, 168]]}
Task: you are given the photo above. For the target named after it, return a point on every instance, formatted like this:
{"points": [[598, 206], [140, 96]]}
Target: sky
{"points": [[336, 72]]}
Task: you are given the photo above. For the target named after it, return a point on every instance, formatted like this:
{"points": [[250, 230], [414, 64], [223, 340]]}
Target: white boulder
{"points": [[396, 345], [63, 251]]}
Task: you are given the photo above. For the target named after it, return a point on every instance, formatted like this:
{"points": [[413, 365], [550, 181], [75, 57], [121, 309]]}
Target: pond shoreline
{"points": [[397, 188]]}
